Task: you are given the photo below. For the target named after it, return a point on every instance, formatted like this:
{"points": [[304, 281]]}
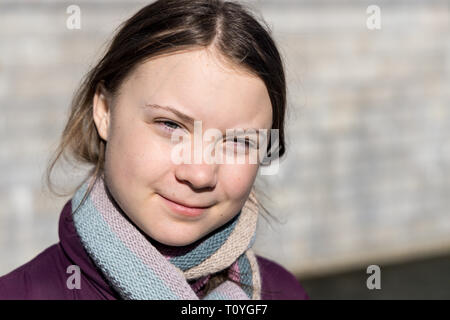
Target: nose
{"points": [[198, 176]]}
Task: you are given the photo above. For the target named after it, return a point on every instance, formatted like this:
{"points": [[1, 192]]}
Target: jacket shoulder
{"points": [[39, 278], [278, 283]]}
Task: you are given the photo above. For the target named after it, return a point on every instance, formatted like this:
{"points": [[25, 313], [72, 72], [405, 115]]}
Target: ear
{"points": [[101, 111]]}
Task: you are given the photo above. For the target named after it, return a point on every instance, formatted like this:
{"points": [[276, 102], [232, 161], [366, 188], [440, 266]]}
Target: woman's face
{"points": [[139, 171]]}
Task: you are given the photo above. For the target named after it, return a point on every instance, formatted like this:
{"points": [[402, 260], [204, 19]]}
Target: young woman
{"points": [[141, 225]]}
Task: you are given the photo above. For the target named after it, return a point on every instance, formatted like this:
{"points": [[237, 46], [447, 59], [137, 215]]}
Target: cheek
{"points": [[238, 180], [134, 154]]}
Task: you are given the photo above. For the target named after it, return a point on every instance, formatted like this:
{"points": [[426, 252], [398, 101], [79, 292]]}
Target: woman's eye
{"points": [[243, 143], [247, 143], [169, 125]]}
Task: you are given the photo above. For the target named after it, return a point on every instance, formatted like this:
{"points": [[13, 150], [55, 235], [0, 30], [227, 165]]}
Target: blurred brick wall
{"points": [[365, 179], [367, 175]]}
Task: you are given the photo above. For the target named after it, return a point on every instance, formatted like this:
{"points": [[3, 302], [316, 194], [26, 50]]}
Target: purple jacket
{"points": [[45, 276]]}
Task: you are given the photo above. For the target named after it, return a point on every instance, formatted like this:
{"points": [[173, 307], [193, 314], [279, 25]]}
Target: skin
{"points": [[138, 166]]}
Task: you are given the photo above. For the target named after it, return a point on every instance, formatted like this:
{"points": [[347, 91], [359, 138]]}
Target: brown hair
{"points": [[170, 26]]}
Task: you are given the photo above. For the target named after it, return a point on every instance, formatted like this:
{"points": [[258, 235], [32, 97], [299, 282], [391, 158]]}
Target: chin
{"points": [[176, 242], [173, 238]]}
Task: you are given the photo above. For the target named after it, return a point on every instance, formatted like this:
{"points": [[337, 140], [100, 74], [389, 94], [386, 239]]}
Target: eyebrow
{"points": [[178, 113], [181, 115]]}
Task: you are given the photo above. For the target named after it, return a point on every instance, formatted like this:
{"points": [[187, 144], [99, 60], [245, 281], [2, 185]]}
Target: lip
{"points": [[183, 209]]}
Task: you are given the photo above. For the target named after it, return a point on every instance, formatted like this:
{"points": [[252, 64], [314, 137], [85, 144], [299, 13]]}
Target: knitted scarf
{"points": [[137, 270]]}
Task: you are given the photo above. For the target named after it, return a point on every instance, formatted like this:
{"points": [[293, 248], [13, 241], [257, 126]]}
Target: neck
{"points": [[172, 251]]}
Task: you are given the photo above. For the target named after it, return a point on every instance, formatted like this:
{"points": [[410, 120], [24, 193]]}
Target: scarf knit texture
{"points": [[139, 268]]}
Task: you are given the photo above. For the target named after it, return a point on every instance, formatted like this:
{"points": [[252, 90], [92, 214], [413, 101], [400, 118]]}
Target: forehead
{"points": [[199, 83]]}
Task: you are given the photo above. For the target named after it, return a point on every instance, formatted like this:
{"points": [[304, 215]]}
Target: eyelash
{"points": [[171, 122], [248, 143]]}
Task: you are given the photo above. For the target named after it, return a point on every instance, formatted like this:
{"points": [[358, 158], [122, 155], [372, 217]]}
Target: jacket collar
{"points": [[77, 254]]}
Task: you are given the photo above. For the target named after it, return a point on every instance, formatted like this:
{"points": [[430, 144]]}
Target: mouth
{"points": [[184, 209]]}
